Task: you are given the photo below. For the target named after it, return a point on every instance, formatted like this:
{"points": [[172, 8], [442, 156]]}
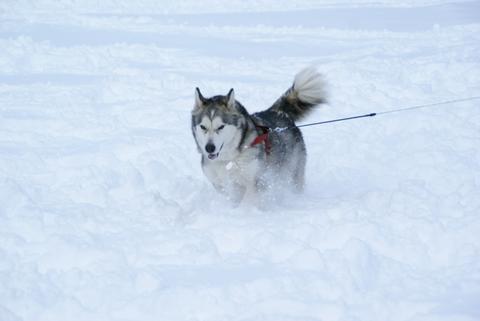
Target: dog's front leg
{"points": [[236, 193], [233, 192]]}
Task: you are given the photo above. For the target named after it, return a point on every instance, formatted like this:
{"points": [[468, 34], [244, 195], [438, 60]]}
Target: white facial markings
{"points": [[217, 125], [205, 125], [215, 131]]}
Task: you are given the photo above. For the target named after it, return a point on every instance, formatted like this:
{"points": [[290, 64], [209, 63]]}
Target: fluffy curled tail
{"points": [[307, 91]]}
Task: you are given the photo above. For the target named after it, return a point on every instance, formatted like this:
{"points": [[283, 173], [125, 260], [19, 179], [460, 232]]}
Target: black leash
{"points": [[338, 119], [280, 129]]}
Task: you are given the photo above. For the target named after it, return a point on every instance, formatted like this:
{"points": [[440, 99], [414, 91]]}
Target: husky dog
{"points": [[246, 153]]}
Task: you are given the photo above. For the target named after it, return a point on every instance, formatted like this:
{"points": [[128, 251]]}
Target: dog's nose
{"points": [[210, 148]]}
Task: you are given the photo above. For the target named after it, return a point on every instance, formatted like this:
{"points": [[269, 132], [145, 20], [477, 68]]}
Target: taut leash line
{"points": [[338, 119], [447, 102]]}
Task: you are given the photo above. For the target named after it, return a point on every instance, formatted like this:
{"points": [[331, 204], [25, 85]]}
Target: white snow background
{"points": [[106, 215]]}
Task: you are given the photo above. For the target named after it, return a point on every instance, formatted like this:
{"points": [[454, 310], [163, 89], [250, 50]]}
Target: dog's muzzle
{"points": [[210, 148]]}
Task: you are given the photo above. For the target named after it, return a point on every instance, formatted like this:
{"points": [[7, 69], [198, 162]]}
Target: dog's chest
{"points": [[243, 170]]}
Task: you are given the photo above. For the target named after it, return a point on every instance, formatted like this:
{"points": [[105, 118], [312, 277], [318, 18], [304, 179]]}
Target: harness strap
{"points": [[263, 138]]}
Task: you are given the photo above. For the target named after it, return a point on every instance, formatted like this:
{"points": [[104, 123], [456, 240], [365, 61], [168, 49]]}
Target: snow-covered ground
{"points": [[106, 215]]}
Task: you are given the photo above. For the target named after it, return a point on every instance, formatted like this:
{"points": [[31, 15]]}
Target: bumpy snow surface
{"points": [[106, 215]]}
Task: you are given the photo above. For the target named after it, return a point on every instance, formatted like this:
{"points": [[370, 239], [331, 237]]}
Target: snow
{"points": [[106, 215]]}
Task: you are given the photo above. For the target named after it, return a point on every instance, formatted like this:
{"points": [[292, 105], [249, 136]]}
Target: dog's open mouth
{"points": [[212, 156]]}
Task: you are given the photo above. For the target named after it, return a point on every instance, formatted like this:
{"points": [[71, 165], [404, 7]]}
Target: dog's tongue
{"points": [[212, 156]]}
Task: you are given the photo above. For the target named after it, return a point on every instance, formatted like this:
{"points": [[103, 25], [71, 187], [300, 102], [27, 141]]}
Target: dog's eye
{"points": [[203, 127], [221, 127]]}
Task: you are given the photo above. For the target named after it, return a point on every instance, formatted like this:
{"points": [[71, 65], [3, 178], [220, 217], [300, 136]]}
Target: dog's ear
{"points": [[231, 99], [199, 99]]}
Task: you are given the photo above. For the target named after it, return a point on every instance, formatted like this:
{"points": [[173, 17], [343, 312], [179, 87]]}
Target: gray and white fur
{"points": [[224, 132]]}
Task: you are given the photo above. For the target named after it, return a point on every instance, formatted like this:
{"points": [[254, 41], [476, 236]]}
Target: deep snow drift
{"points": [[104, 211]]}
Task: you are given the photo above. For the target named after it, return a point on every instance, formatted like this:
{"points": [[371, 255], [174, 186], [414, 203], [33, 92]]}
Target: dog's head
{"points": [[217, 125]]}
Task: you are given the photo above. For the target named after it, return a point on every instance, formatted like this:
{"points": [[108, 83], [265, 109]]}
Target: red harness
{"points": [[263, 138]]}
